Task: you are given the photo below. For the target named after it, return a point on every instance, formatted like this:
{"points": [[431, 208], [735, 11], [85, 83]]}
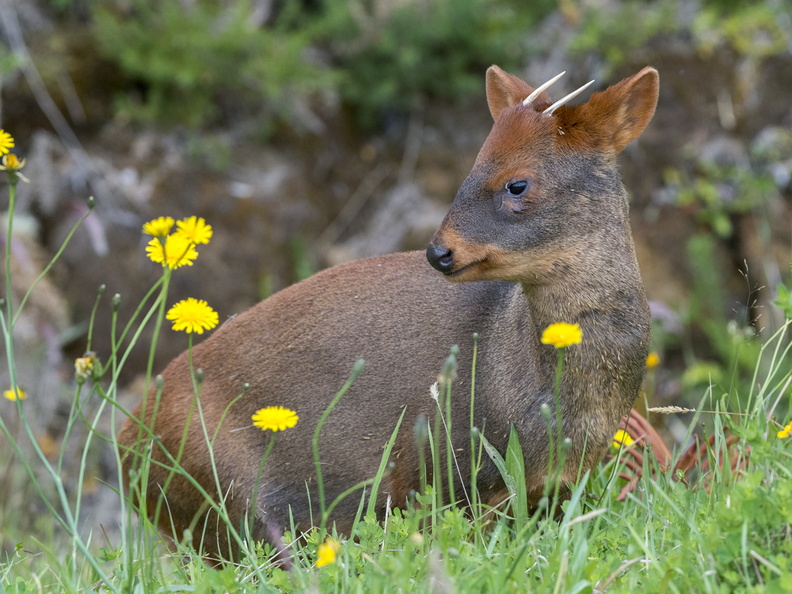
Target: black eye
{"points": [[517, 188]]}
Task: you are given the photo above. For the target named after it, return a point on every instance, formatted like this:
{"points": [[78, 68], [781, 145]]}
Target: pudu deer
{"points": [[537, 234]]}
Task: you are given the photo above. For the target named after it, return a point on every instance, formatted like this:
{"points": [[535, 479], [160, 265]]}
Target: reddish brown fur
{"points": [[558, 248], [613, 130]]}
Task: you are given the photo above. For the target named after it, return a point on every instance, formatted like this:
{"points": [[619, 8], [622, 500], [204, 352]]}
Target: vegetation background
{"points": [[313, 132]]}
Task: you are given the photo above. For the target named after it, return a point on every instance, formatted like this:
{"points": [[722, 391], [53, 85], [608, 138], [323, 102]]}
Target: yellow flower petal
{"points": [[275, 418], [192, 315], [176, 251], [562, 335], [786, 431], [84, 366], [195, 229], [159, 227], [6, 142], [622, 438], [18, 394], [11, 162], [652, 361], [326, 554]]}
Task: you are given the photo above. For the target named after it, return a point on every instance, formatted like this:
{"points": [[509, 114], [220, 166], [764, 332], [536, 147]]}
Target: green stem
{"points": [[159, 306], [356, 371], [118, 364], [449, 446], [221, 507], [163, 299], [51, 263], [93, 431], [9, 229], [139, 308], [434, 447], [254, 500], [473, 462], [339, 499], [67, 520], [557, 403], [92, 319], [183, 442]]}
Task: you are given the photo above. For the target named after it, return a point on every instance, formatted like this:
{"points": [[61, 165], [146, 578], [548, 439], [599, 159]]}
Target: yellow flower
{"points": [[622, 438], [195, 229], [192, 315], [12, 164], [562, 335], [786, 431], [653, 360], [174, 253], [6, 142], [13, 394], [326, 555], [84, 366], [159, 227], [275, 418]]}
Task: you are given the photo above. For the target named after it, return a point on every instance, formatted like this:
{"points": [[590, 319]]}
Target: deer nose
{"points": [[440, 257]]}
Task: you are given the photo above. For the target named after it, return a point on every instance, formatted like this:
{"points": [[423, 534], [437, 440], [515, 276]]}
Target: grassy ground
{"points": [[666, 536]]}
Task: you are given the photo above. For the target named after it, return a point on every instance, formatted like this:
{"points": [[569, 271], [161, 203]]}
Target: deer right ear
{"points": [[504, 90], [620, 113]]}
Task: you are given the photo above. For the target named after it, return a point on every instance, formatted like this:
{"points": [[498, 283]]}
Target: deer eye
{"points": [[517, 187]]}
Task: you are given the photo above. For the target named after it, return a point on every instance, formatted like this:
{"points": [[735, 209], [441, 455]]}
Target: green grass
{"points": [[665, 537], [721, 532]]}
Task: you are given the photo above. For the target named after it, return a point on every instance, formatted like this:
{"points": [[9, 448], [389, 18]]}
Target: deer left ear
{"points": [[619, 114], [504, 90]]}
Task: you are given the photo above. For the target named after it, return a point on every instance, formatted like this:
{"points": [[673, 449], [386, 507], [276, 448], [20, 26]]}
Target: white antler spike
{"points": [[572, 95], [530, 98]]}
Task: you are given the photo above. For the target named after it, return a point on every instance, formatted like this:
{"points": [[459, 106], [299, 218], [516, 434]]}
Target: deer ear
{"points": [[504, 90], [619, 114]]}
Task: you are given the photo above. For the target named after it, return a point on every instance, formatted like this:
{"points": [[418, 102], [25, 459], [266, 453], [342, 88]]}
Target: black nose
{"points": [[440, 258]]}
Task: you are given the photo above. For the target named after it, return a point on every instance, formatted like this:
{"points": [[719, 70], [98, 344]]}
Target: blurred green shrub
{"points": [[757, 30], [715, 194], [754, 29], [623, 28], [430, 49], [191, 62]]}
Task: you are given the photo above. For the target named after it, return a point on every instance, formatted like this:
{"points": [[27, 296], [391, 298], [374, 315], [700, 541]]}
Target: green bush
{"points": [[423, 50], [616, 32], [194, 63], [757, 30]]}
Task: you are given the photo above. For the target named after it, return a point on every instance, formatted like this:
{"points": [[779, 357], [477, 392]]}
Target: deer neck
{"points": [[603, 293]]}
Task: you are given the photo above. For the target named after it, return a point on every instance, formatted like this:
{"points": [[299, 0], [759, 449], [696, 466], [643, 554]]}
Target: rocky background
{"points": [[308, 134]]}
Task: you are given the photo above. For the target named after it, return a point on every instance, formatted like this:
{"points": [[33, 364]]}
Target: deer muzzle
{"points": [[440, 257]]}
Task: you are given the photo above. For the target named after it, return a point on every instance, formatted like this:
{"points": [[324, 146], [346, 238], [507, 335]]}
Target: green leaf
{"points": [[515, 466], [511, 469], [784, 301]]}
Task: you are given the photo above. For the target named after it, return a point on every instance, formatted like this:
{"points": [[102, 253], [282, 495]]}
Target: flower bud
{"points": [[86, 367], [566, 445]]}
